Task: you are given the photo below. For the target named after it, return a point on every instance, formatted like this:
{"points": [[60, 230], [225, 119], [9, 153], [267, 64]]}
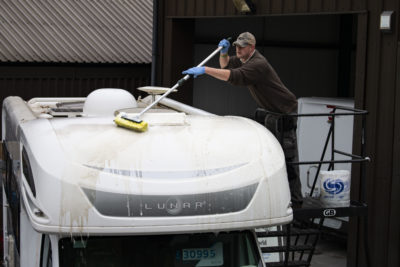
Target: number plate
{"points": [[212, 256], [197, 254]]}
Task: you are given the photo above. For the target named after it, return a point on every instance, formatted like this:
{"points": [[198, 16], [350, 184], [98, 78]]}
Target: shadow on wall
{"points": [[304, 51], [217, 96]]}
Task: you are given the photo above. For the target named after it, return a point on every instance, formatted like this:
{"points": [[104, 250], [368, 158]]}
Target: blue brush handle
{"points": [[181, 81], [184, 79]]}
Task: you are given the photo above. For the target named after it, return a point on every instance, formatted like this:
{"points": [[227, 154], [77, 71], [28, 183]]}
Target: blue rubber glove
{"points": [[195, 71], [225, 44]]}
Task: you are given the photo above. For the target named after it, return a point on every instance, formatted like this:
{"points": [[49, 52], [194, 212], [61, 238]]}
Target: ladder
{"points": [[297, 241], [298, 246]]}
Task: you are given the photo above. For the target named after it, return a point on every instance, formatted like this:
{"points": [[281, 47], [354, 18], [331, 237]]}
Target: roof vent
{"points": [[103, 102]]}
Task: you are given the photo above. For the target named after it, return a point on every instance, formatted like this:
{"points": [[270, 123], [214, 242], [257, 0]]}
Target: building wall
{"points": [[305, 51], [381, 98], [376, 89], [198, 8], [30, 81]]}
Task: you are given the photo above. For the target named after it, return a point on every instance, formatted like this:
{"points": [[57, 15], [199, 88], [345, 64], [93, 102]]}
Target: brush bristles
{"points": [[130, 124]]}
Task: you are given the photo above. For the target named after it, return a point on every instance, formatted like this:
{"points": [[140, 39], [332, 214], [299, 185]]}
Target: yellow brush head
{"points": [[131, 125]]}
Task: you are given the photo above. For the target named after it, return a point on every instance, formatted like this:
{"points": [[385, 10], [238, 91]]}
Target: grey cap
{"points": [[245, 39]]}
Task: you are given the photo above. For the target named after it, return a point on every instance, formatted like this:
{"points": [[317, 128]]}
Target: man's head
{"points": [[245, 39], [245, 45]]}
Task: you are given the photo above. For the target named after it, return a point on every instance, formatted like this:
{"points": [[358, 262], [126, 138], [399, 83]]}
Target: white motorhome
{"points": [[80, 191]]}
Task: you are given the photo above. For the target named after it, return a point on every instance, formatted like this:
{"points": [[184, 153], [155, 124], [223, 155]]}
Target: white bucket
{"points": [[335, 188]]}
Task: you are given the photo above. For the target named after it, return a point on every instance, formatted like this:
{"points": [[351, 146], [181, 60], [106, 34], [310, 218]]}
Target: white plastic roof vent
{"points": [[105, 101]]}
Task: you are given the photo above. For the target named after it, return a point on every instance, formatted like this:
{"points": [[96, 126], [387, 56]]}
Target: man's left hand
{"points": [[225, 44], [195, 71]]}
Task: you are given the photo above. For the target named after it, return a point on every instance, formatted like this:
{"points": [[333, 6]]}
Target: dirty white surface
{"points": [[199, 154]]}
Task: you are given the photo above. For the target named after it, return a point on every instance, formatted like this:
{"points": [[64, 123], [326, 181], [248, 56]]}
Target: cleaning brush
{"points": [[139, 125], [123, 120]]}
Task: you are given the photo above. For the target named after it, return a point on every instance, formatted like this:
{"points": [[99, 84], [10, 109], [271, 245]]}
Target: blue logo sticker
{"points": [[334, 187]]}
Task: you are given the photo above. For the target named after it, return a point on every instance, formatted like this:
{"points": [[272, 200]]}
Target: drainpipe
{"points": [[154, 45]]}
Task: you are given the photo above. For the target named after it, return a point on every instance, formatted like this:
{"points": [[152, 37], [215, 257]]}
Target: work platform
{"points": [[296, 242]]}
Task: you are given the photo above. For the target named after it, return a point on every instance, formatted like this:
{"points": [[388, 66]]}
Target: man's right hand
{"points": [[195, 71], [225, 44]]}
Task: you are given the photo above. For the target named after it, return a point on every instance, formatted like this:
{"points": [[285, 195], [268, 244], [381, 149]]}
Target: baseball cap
{"points": [[245, 39]]}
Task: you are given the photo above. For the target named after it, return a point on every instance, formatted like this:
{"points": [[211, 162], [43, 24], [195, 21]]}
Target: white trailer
{"points": [[80, 191]]}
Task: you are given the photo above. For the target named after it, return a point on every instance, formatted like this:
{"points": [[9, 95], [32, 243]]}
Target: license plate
{"points": [[212, 256], [198, 254]]}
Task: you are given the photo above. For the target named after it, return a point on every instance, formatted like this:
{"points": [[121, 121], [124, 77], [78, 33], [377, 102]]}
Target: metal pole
{"points": [[332, 165], [179, 83], [320, 164], [154, 44]]}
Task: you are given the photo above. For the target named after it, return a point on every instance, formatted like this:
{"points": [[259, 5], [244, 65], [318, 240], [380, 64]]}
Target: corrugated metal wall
{"points": [[76, 31], [381, 98], [377, 90], [69, 81], [188, 8]]}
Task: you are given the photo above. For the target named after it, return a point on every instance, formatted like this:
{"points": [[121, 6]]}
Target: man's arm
{"points": [[221, 74], [223, 56], [223, 60]]}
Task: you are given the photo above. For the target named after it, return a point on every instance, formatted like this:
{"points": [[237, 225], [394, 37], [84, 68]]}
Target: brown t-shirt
{"points": [[263, 82]]}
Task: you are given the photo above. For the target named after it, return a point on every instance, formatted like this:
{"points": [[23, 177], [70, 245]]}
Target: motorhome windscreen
{"points": [[183, 250]]}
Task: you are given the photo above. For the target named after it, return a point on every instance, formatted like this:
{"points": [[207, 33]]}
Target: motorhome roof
{"points": [[199, 173]]}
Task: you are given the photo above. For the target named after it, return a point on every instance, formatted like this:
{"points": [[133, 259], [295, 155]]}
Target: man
{"points": [[249, 68]]}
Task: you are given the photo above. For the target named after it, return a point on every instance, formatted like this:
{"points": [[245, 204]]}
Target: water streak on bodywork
{"points": [[74, 207]]}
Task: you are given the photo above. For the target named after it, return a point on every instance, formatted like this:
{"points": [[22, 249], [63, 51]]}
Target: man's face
{"points": [[244, 52]]}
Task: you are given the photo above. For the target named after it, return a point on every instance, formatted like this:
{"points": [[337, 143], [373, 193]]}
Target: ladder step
{"points": [[284, 248], [271, 233], [290, 263], [292, 232]]}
